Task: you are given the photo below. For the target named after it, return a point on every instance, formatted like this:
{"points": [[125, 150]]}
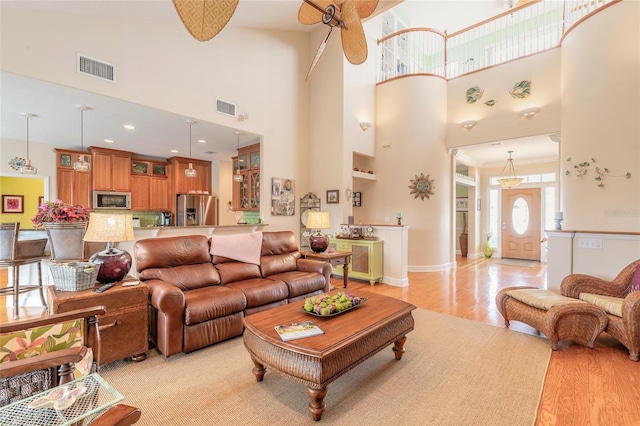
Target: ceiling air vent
{"points": [[96, 68], [226, 108]]}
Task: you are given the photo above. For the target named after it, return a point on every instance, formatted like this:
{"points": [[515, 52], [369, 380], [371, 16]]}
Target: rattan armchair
{"points": [[626, 328]]}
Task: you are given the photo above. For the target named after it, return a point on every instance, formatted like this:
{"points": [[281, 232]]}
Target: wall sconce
{"points": [[529, 112], [364, 125], [469, 124], [347, 193]]}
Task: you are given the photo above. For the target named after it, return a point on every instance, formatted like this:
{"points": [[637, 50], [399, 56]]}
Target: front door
{"points": [[521, 223]]}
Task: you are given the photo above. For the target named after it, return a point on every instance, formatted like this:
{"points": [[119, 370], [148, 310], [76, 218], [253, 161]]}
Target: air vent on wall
{"points": [[96, 68], [226, 108]]}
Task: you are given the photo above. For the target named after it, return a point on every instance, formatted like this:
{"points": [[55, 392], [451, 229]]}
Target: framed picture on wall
{"points": [[12, 203], [462, 204], [333, 196]]}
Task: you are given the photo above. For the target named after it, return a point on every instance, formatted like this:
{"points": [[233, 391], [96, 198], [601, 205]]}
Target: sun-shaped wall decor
{"points": [[421, 186]]}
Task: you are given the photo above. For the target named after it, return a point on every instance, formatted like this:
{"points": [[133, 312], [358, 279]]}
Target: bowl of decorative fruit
{"points": [[328, 305]]}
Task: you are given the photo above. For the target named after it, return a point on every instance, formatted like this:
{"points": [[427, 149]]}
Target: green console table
{"points": [[366, 261]]}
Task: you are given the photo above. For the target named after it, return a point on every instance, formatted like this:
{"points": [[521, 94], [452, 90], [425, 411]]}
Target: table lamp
{"points": [[110, 228], [318, 220]]}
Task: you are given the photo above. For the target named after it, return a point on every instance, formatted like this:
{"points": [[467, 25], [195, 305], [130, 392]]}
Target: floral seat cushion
{"points": [[611, 305]]}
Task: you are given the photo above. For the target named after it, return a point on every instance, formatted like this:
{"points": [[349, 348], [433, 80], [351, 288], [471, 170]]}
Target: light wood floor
{"points": [[585, 387]]}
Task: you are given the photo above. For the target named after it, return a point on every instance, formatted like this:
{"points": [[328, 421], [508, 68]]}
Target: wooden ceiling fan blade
{"points": [[204, 19], [365, 7], [309, 15], [319, 52], [354, 42]]}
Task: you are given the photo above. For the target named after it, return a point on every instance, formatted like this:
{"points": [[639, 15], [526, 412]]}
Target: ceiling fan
{"points": [[204, 19], [347, 15]]}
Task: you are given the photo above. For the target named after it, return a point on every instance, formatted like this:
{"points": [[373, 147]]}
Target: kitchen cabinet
{"points": [[111, 169], [201, 184], [366, 261], [246, 193], [150, 185], [73, 187]]}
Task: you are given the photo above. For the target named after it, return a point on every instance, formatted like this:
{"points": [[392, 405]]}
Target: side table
{"points": [[124, 329], [336, 258], [98, 397]]}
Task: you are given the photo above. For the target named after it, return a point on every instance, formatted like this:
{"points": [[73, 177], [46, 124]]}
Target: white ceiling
{"points": [[55, 124]]}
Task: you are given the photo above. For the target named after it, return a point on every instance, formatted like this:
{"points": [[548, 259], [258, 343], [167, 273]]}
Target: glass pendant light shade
{"points": [[81, 165], [237, 177], [509, 181], [27, 168], [190, 172]]}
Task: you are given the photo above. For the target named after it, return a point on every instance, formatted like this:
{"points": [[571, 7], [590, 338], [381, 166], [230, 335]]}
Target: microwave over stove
{"points": [[111, 200]]}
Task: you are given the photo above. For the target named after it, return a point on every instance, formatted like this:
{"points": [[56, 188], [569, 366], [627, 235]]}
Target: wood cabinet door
{"points": [[140, 192], [121, 174], [65, 185], [159, 193], [102, 172], [82, 189]]}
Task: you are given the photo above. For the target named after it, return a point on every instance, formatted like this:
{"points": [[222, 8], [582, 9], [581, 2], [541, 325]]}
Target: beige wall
{"points": [[601, 119]]}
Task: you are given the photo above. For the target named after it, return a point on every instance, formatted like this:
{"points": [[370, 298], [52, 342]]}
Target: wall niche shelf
{"points": [[361, 175]]}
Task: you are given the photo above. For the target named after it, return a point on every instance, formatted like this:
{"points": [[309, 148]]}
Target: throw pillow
{"points": [[635, 280], [241, 247]]}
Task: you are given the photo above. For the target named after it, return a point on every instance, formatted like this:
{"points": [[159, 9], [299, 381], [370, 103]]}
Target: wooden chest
{"points": [[124, 329]]}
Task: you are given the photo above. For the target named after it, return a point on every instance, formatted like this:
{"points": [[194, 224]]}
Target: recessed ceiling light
{"points": [[202, 141], [174, 151], [129, 127], [109, 140]]}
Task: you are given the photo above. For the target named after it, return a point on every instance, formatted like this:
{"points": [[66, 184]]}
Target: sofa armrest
{"points": [[323, 268], [170, 303], [574, 284], [631, 311]]}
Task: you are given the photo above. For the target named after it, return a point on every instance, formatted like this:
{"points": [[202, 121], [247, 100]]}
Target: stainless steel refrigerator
{"points": [[197, 210]]}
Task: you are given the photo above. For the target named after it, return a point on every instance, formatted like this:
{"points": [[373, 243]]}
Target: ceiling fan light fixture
{"points": [[27, 168], [81, 165], [509, 181]]}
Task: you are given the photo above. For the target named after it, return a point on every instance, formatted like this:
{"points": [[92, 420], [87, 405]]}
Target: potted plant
{"points": [[65, 225]]}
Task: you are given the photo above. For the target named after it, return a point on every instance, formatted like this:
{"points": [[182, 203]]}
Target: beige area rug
{"points": [[454, 372]]}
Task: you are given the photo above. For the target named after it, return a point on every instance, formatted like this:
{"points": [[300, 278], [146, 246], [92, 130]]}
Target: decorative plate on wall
{"points": [[521, 90], [473, 94], [16, 163], [421, 186]]}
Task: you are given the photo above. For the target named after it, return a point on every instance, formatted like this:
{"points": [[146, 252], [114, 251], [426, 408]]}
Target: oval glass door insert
{"points": [[520, 216]]}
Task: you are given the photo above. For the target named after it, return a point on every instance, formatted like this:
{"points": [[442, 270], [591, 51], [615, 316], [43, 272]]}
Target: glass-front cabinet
{"points": [[246, 193]]}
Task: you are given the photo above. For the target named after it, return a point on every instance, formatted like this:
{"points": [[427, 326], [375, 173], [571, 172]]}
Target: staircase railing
{"points": [[524, 30]]}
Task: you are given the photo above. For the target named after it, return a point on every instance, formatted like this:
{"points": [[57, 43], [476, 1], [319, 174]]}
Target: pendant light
{"points": [[27, 168], [510, 181], [81, 165], [238, 177], [190, 172]]}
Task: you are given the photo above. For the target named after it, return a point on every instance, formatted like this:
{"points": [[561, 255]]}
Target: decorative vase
{"points": [[464, 244], [65, 240], [487, 249]]}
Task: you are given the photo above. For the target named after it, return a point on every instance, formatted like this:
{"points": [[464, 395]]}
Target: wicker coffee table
{"points": [[349, 339]]}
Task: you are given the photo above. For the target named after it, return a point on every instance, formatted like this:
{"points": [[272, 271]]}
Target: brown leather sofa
{"points": [[196, 299]]}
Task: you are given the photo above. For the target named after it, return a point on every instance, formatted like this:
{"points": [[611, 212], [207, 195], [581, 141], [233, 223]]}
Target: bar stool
{"points": [[13, 254]]}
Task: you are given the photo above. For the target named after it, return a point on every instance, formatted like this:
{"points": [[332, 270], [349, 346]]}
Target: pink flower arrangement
{"points": [[59, 212]]}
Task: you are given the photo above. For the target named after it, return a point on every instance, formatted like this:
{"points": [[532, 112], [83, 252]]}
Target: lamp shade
{"points": [[318, 220], [109, 228]]}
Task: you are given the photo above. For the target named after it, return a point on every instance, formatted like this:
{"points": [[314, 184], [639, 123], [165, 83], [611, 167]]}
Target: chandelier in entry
{"points": [[510, 181]]}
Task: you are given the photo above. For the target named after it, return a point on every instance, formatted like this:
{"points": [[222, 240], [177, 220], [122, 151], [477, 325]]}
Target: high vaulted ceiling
{"points": [[107, 116]]}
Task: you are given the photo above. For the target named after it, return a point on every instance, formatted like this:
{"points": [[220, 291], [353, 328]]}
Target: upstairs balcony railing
{"points": [[524, 30]]}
